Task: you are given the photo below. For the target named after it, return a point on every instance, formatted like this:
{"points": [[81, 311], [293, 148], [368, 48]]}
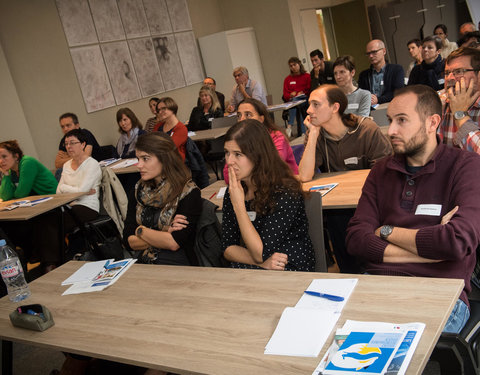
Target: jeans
{"points": [[292, 114], [457, 318]]}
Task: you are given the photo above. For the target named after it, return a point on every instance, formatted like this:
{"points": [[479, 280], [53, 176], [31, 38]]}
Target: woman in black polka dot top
{"points": [[264, 221]]}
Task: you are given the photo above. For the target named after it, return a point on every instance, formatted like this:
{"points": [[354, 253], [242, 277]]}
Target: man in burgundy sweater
{"points": [[418, 213]]}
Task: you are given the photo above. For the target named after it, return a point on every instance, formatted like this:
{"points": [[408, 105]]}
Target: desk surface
{"points": [[204, 135], [26, 213], [345, 195], [216, 321]]}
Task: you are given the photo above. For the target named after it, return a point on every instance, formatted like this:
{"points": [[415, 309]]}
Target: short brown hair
{"points": [[347, 61], [428, 101], [169, 103], [466, 51]]}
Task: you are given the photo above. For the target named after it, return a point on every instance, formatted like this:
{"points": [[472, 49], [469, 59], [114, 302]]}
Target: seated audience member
{"points": [[210, 82], [264, 222], [416, 215], [209, 108], [430, 71], [296, 86], [381, 79], [150, 124], [471, 40], [447, 46], [460, 126], [23, 175], [164, 207], [467, 27], [130, 128], [335, 142], [251, 109], [69, 121], [169, 124], [245, 88], [358, 99], [415, 50], [322, 71], [81, 173]]}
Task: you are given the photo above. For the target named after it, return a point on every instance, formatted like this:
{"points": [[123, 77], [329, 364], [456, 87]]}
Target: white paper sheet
{"points": [[301, 332], [337, 287], [86, 273], [221, 192]]}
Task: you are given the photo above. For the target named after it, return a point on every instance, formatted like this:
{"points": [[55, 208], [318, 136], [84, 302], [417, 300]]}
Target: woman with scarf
{"points": [[130, 128], [164, 207]]}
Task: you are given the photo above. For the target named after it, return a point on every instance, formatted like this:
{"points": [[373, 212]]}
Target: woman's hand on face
{"points": [[235, 188], [277, 262], [179, 222]]}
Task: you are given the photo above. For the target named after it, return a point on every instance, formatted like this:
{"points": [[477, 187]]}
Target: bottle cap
{"points": [[2, 243]]}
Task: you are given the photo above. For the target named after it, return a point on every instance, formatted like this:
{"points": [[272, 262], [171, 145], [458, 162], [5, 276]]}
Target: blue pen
{"points": [[331, 297]]}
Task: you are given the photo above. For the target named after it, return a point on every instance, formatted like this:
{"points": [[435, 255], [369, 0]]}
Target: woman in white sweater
{"points": [[82, 173]]}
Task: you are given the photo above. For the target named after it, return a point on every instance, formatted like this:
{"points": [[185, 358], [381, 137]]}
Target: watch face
{"points": [[385, 231], [459, 115]]}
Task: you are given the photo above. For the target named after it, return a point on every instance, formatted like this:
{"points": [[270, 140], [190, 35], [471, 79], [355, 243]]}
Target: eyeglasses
{"points": [[71, 143], [372, 52], [457, 73]]}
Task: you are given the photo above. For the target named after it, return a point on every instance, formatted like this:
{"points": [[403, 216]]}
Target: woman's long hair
{"points": [[262, 110], [210, 92], [270, 173], [174, 169], [296, 60], [129, 113]]}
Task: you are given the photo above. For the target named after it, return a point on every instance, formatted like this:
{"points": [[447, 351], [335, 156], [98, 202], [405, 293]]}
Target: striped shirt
{"points": [[468, 136]]}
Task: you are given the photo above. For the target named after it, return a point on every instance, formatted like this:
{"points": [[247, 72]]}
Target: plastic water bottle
{"points": [[12, 273]]}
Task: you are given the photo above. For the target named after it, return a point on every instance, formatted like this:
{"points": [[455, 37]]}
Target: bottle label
{"points": [[10, 271]]}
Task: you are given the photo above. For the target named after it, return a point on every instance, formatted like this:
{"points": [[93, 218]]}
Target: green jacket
{"points": [[34, 179]]}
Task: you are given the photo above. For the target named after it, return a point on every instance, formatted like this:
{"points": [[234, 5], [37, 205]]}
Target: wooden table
{"points": [[209, 134], [26, 213], [345, 195], [194, 320]]}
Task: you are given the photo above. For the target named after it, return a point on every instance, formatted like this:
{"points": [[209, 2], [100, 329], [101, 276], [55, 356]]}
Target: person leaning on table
{"points": [[264, 222], [336, 141], [165, 205], [23, 175]]}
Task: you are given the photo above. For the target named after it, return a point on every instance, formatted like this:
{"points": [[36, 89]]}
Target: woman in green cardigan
{"points": [[22, 174]]}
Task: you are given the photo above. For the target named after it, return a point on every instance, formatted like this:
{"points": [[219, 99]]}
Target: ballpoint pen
{"points": [[331, 297]]}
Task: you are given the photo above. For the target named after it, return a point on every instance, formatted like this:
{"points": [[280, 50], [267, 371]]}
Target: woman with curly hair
{"points": [[264, 221]]}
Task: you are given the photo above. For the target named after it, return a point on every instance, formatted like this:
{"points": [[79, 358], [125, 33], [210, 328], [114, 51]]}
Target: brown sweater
{"points": [[360, 148]]}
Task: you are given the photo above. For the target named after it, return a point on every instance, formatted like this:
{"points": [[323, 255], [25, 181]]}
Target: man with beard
{"points": [[460, 125], [418, 213]]}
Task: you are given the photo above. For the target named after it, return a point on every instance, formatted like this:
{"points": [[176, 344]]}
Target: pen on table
{"points": [[330, 297], [40, 200], [212, 195]]}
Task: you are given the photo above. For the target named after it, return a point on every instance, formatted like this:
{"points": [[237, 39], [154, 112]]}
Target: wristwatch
{"points": [[385, 231], [139, 231], [460, 114]]}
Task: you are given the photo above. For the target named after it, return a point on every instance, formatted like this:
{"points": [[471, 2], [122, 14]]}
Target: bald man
{"points": [[467, 27], [381, 79]]}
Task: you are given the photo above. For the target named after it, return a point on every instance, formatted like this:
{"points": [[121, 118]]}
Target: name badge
{"points": [[381, 82], [353, 106], [293, 82], [352, 160], [429, 209], [441, 81], [252, 215]]}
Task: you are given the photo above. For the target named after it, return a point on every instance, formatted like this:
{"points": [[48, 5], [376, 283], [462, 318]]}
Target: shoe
{"points": [[289, 132]]}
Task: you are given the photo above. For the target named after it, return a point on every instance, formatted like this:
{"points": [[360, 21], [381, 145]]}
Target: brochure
{"points": [[96, 276], [324, 189], [25, 203]]}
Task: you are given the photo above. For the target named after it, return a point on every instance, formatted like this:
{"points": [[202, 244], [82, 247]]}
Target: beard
{"points": [[414, 146]]}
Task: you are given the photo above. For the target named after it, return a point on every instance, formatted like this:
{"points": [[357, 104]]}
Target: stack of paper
{"points": [[303, 329], [124, 163], [364, 348], [96, 276]]}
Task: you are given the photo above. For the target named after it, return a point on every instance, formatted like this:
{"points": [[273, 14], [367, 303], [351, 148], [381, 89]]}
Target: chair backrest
{"points": [[224, 122], [313, 209]]}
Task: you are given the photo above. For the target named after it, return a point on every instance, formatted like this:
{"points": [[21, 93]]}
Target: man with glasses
{"points": [[69, 121], [461, 115], [245, 88], [381, 79]]}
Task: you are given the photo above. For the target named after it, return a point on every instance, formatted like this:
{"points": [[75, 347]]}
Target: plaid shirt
{"points": [[468, 136]]}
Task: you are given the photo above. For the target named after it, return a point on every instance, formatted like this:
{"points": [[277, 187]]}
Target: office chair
{"points": [[313, 209], [459, 354]]}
